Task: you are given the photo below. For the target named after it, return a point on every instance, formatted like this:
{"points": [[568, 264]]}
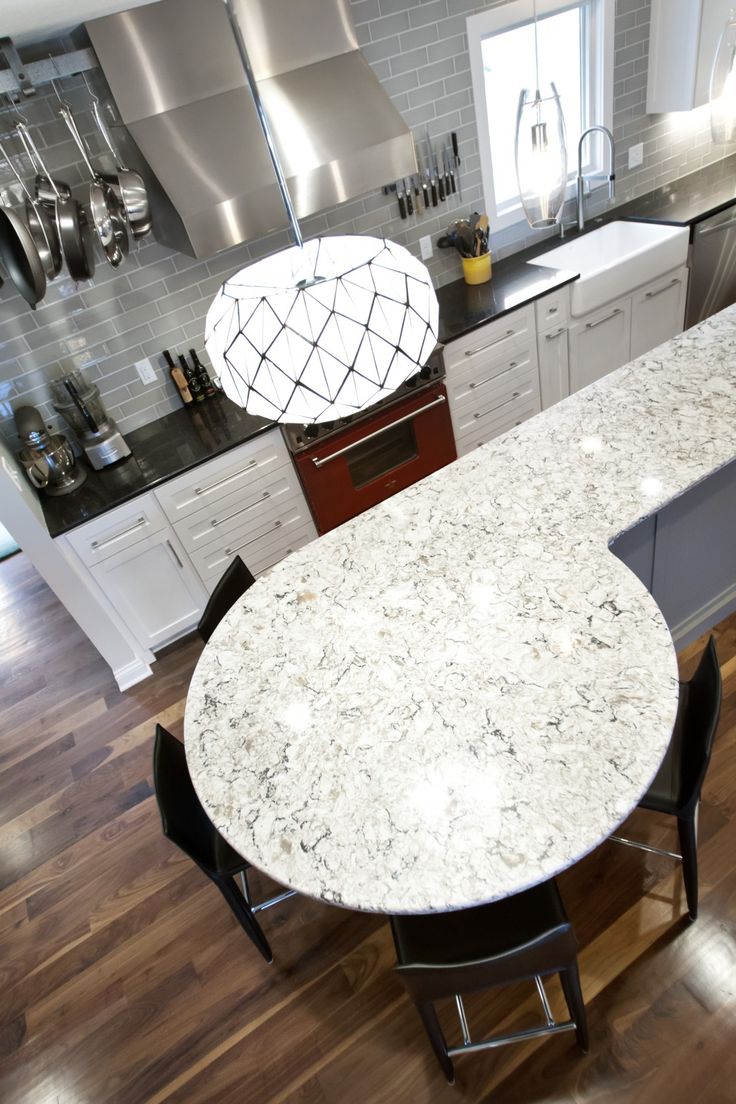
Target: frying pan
{"points": [[106, 210], [127, 183], [20, 257], [70, 222], [40, 225]]}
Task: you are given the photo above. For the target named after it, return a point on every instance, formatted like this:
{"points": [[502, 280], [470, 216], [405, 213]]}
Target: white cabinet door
{"points": [[599, 342], [154, 589], [554, 365], [683, 38], [658, 312]]}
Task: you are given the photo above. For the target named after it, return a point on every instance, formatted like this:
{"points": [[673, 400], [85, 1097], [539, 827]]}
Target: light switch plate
{"points": [[425, 247], [636, 155], [146, 371]]}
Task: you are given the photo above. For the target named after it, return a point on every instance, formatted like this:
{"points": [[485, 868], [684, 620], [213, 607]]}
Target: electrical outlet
{"points": [[146, 371], [425, 247], [636, 155]]}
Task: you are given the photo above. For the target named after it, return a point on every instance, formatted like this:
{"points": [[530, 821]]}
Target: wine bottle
{"points": [[204, 377], [195, 384], [180, 380]]}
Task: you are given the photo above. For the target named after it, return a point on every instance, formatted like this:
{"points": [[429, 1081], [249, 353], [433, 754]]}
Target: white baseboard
{"points": [[706, 617], [131, 673]]}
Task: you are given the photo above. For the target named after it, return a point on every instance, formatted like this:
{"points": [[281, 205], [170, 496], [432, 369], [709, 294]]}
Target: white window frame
{"points": [[599, 75]]}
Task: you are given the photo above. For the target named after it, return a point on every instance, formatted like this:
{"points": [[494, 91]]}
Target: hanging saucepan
{"points": [[126, 183], [20, 257], [40, 225], [46, 189], [107, 213], [68, 215]]}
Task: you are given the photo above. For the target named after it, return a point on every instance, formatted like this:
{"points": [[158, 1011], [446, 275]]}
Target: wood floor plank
{"points": [[124, 979]]}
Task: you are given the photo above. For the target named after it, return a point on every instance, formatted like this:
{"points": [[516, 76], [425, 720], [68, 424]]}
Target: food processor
{"points": [[79, 403]]}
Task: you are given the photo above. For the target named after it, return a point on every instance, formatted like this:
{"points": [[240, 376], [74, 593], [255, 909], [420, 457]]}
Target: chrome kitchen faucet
{"points": [[583, 180]]}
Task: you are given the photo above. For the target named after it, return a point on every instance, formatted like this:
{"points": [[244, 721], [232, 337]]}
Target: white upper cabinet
{"points": [[683, 38]]}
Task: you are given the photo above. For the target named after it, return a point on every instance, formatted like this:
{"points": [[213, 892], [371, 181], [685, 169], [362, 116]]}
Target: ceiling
{"points": [[31, 20]]}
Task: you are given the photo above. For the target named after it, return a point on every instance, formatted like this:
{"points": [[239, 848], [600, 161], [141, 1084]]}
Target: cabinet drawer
{"points": [[553, 309], [249, 539], [474, 384], [227, 474], [519, 389], [271, 552], [118, 529], [245, 507], [496, 423], [490, 340]]}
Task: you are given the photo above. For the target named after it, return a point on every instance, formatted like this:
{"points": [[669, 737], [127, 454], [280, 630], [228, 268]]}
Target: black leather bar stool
{"points": [[186, 824], [235, 580], [524, 937], [677, 785]]}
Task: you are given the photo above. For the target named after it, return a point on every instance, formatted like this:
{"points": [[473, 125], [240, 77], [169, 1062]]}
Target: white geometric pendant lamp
{"points": [[319, 331]]}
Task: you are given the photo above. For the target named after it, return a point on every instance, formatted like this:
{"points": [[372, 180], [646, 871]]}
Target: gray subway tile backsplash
{"points": [[159, 299]]}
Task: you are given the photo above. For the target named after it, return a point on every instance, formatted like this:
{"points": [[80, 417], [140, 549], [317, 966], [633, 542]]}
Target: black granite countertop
{"points": [[160, 451], [463, 307], [688, 200]]}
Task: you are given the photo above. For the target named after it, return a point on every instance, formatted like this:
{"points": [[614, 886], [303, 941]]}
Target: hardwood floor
{"points": [[125, 980]]}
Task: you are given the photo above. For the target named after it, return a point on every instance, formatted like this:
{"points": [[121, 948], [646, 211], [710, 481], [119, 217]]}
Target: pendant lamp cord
{"points": [[265, 125], [536, 47]]}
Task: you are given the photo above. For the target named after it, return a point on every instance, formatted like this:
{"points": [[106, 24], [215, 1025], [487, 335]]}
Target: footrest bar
{"points": [[646, 847], [515, 1037]]}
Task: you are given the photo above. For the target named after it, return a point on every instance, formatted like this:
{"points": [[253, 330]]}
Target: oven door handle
{"points": [[320, 461]]}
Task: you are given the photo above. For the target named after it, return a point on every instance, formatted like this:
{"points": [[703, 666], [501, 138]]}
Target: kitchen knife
{"points": [[400, 197], [434, 166], [453, 139], [409, 201], [425, 190], [450, 171]]}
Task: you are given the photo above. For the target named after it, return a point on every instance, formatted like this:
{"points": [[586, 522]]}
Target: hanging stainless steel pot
{"points": [[71, 226], [43, 230], [106, 210], [128, 183], [20, 257]]}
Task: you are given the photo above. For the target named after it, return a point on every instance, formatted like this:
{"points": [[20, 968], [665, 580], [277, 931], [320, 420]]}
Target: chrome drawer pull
{"points": [[320, 461], [671, 284], [717, 229], [592, 325], [228, 517], [490, 379], [483, 413], [276, 525], [111, 540], [482, 348], [174, 554], [228, 479], [555, 333]]}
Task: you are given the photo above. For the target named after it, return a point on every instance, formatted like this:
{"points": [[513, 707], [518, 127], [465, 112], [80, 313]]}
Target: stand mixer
{"points": [[79, 403], [47, 457]]}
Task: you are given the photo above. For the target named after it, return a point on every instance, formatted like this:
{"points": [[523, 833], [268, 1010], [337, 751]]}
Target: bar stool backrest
{"points": [[234, 582]]}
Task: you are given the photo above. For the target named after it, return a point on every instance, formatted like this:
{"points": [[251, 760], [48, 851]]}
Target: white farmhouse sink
{"points": [[616, 259]]}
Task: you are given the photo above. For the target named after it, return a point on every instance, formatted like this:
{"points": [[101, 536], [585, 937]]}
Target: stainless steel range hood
{"points": [[175, 73]]}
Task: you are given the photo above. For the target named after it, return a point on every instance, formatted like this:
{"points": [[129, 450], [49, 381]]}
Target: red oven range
{"points": [[349, 465]]}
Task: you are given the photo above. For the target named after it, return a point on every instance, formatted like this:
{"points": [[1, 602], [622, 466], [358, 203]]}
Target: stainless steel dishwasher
{"points": [[712, 267]]}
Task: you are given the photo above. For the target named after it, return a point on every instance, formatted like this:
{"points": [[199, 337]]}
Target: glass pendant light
{"points": [[540, 150], [723, 85], [321, 329]]}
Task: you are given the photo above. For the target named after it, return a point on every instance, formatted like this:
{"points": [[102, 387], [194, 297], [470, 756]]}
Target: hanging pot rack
{"points": [[21, 81]]}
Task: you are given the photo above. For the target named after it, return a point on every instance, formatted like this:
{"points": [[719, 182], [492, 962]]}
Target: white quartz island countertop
{"points": [[462, 691]]}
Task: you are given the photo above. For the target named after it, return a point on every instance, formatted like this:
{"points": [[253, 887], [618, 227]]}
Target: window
{"points": [[575, 51]]}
